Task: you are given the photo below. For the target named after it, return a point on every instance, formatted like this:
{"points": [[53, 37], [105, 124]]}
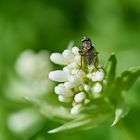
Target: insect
{"points": [[89, 52]]}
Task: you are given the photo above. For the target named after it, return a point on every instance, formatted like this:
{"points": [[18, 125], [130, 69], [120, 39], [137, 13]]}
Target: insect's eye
{"points": [[85, 39]]}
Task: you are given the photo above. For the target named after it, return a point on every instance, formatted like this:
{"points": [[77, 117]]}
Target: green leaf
{"points": [[110, 69], [83, 122], [98, 106], [120, 112], [92, 115], [122, 84], [126, 80], [53, 112]]}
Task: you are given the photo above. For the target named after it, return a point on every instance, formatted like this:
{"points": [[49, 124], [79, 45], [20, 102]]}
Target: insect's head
{"points": [[86, 43], [85, 39]]}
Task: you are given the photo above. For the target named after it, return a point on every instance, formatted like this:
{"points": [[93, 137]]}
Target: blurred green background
{"points": [[113, 26]]}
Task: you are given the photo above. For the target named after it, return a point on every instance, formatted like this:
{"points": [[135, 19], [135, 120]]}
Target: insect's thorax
{"points": [[87, 48], [87, 45]]}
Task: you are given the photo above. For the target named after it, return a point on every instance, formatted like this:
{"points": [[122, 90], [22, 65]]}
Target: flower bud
{"points": [[58, 76], [68, 55], [58, 58], [79, 97], [64, 99], [98, 75], [61, 90], [75, 110], [75, 50], [97, 88]]}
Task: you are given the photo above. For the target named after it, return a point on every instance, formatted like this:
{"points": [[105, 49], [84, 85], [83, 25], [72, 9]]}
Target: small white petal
{"points": [[75, 110], [74, 80], [74, 65], [16, 121], [79, 97], [77, 59], [75, 50], [67, 69], [68, 85], [62, 98], [61, 90], [80, 74], [97, 88], [87, 87], [58, 58], [68, 55], [98, 75], [89, 75], [91, 68], [58, 76]]}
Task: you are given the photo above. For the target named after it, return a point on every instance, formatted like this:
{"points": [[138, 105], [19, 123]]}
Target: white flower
{"points": [[61, 90], [87, 87], [58, 76], [58, 58], [75, 110], [62, 98], [98, 75], [79, 97], [78, 85], [23, 120], [96, 89], [33, 68]]}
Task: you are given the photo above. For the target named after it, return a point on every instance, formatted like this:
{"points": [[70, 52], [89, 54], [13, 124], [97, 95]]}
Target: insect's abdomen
{"points": [[89, 57]]}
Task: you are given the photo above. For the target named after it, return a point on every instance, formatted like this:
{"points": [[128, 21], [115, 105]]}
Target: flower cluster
{"points": [[78, 85], [32, 68]]}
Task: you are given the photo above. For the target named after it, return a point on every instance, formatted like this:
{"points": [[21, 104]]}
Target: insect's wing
{"points": [[95, 59]]}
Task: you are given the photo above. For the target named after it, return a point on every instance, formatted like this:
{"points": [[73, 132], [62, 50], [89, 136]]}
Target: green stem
{"points": [[124, 132]]}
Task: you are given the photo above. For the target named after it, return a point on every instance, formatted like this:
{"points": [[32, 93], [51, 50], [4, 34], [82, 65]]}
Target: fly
{"points": [[89, 52]]}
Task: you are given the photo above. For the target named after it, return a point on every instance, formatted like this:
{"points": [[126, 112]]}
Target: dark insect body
{"points": [[89, 52]]}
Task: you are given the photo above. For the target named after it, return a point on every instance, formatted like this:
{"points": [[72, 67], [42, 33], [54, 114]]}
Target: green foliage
{"points": [[50, 25]]}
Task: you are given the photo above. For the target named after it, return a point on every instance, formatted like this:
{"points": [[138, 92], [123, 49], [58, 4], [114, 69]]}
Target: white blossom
{"points": [[58, 76], [32, 68], [87, 87], [79, 97], [58, 58], [96, 89], [98, 75], [75, 51], [78, 85], [65, 99], [61, 90], [75, 110], [23, 120]]}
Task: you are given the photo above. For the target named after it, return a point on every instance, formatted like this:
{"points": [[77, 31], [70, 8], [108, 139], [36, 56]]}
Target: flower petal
{"points": [[68, 55], [79, 97], [61, 90], [98, 75], [58, 58], [97, 88], [62, 98], [75, 110], [58, 76]]}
